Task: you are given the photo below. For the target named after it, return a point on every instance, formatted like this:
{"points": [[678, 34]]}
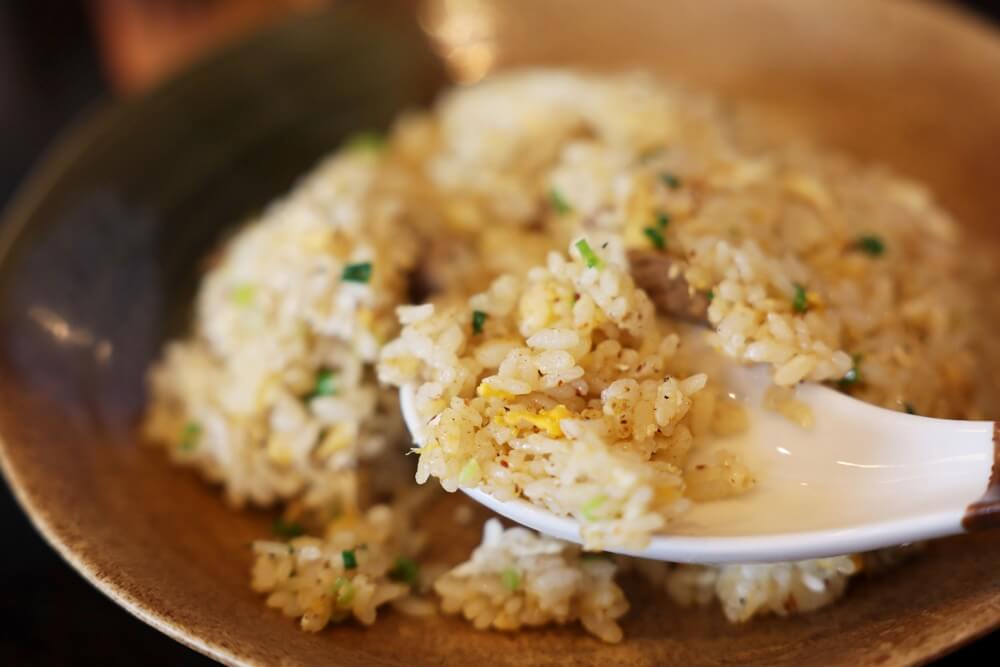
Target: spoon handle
{"points": [[985, 512]]}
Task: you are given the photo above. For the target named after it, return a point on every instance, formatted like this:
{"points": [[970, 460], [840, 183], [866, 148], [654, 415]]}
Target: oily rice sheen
{"points": [[560, 265]]}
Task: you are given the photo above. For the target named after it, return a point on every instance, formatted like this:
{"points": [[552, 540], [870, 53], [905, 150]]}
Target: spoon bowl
{"points": [[861, 478]]}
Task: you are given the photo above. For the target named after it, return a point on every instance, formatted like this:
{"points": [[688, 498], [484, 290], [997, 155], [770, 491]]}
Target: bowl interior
{"points": [[101, 253]]}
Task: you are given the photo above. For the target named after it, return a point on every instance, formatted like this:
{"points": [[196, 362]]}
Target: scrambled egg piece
{"points": [[486, 391], [543, 420]]}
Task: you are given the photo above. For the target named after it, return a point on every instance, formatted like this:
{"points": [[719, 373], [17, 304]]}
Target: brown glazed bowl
{"points": [[100, 254]]}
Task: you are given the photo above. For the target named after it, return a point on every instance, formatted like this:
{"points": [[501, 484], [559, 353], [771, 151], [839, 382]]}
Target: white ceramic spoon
{"points": [[862, 478]]}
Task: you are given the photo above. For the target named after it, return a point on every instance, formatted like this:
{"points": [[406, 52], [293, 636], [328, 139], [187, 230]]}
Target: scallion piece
{"points": [[478, 320], [511, 579], [655, 237], [367, 140], [559, 203], [589, 256], [243, 295], [357, 273], [343, 589], [325, 384], [287, 529], [190, 437], [405, 570], [589, 507], [800, 302], [671, 180], [710, 295], [470, 473], [350, 559], [871, 244], [662, 220]]}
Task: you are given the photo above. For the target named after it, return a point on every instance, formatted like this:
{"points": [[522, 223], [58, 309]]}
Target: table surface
{"points": [[49, 615]]}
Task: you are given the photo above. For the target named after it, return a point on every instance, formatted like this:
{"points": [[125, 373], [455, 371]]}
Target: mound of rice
{"points": [[553, 377], [810, 259], [273, 394]]}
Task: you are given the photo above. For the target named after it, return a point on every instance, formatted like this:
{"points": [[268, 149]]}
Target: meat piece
{"points": [[671, 293]]}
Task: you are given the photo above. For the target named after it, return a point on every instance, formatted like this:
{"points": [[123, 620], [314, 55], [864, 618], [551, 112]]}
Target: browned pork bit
{"points": [[670, 292]]}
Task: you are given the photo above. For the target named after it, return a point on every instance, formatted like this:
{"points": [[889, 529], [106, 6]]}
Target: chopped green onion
{"points": [[349, 558], [344, 590], [910, 410], [559, 203], [190, 437], [655, 237], [852, 376], [478, 320], [710, 295], [357, 273], [671, 180], [871, 244], [244, 295], [470, 473], [367, 140], [588, 508], [287, 529], [325, 384], [800, 302], [662, 219], [511, 579], [405, 570], [588, 254]]}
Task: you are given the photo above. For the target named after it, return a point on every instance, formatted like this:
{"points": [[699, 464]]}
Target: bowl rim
{"points": [[67, 147]]}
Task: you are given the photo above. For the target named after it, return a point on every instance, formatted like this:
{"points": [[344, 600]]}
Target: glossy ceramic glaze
{"points": [[861, 478], [100, 255]]}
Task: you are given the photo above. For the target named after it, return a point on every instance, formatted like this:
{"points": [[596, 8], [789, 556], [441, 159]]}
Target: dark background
{"points": [[52, 67]]}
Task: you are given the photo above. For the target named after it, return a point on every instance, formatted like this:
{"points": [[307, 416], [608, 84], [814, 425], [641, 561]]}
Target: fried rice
{"points": [[527, 256]]}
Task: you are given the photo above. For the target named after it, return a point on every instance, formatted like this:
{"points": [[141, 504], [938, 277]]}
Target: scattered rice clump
{"points": [[519, 578], [362, 563], [745, 591]]}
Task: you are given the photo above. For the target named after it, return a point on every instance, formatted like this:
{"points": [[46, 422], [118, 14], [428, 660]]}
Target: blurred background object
{"points": [[142, 41], [58, 58]]}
